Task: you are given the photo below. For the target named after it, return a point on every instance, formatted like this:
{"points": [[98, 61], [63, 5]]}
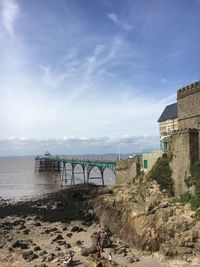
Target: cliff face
{"points": [[144, 218]]}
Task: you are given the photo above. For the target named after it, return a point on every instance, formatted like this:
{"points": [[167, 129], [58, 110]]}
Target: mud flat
{"points": [[39, 232]]}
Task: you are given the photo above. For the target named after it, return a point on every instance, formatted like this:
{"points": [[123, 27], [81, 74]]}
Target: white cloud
{"points": [[113, 17], [9, 13], [119, 23], [50, 78], [74, 146]]}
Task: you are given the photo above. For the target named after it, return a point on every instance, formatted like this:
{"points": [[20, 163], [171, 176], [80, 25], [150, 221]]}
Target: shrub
{"points": [[197, 214], [195, 200], [162, 174], [195, 170], [186, 197]]}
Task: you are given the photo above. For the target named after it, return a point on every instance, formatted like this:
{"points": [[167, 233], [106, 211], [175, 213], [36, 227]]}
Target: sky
{"points": [[92, 76]]}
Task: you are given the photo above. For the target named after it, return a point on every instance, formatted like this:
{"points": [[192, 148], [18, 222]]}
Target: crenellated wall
{"points": [[189, 106], [185, 149]]}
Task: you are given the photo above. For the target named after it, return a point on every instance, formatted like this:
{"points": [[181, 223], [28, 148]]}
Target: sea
{"points": [[19, 180]]}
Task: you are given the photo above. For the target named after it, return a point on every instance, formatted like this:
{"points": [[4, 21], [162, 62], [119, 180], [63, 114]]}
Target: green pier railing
{"points": [[57, 166]]}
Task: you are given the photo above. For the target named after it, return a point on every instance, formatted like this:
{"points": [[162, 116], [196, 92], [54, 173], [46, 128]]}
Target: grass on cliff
{"points": [[162, 174]]}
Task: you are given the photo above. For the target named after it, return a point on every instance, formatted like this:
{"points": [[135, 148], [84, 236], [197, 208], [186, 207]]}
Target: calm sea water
{"points": [[19, 180]]}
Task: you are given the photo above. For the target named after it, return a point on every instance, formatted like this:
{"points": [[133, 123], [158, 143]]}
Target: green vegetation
{"points": [[193, 199], [195, 170], [197, 214], [162, 174]]}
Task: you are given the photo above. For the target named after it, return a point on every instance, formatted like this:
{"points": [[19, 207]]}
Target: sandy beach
{"points": [[39, 232]]}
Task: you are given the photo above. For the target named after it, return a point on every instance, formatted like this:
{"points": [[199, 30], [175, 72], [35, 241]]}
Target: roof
{"points": [[170, 112]]}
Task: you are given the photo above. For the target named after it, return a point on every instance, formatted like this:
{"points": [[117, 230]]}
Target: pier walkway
{"points": [[65, 169]]}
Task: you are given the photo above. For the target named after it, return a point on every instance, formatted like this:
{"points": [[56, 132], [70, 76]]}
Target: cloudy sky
{"points": [[84, 76]]}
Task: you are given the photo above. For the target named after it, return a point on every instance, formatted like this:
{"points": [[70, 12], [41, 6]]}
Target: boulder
{"points": [[76, 229]]}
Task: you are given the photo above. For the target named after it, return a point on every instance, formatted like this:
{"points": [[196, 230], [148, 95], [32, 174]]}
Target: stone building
{"points": [[183, 114], [179, 126], [185, 143], [188, 99], [168, 122], [185, 150]]}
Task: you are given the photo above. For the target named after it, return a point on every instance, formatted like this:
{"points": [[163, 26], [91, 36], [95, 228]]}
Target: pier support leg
{"points": [[73, 180], [102, 172], [84, 173], [62, 173]]}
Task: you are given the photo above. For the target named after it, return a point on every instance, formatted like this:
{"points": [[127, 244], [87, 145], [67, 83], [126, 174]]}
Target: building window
{"points": [[169, 131], [145, 164], [198, 125]]}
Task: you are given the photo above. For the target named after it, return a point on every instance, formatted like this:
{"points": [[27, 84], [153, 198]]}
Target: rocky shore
{"points": [[144, 228]]}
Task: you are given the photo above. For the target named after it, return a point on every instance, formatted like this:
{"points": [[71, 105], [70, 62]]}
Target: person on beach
{"points": [[99, 264], [98, 255], [101, 238], [68, 259]]}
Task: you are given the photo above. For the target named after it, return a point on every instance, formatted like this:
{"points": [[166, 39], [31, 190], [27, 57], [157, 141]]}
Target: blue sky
{"points": [[74, 70]]}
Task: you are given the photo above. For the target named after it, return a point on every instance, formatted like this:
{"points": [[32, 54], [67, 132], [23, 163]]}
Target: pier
{"points": [[60, 168]]}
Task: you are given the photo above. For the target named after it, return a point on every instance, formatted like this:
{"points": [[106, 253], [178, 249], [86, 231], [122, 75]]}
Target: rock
{"points": [[58, 237], [50, 257], [37, 224], [59, 205], [183, 250], [121, 250], [197, 246], [87, 251], [23, 246], [69, 235], [29, 255], [17, 222], [21, 227], [189, 244], [16, 244], [76, 229], [61, 242], [166, 250], [36, 248], [20, 244], [133, 259], [87, 223], [26, 232], [54, 229], [88, 220], [42, 259], [67, 245], [78, 243], [40, 265], [43, 252], [55, 260]]}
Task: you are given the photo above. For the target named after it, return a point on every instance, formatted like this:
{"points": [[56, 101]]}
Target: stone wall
{"points": [[126, 170], [189, 106], [185, 149]]}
